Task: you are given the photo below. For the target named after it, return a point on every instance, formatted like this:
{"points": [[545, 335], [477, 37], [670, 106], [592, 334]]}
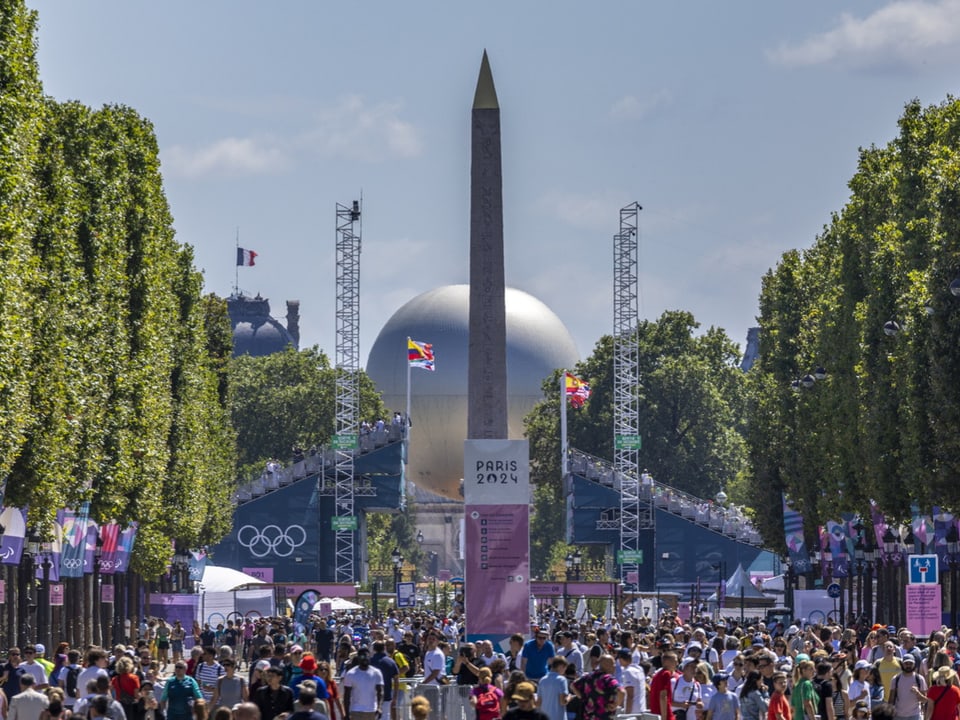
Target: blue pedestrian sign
{"points": [[833, 590], [924, 570]]}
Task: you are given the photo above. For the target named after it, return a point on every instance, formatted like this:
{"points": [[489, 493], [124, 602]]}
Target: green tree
{"points": [[690, 408], [288, 399]]}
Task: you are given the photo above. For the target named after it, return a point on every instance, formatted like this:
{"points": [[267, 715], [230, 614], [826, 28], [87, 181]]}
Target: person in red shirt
{"points": [[660, 689], [779, 705], [943, 697]]}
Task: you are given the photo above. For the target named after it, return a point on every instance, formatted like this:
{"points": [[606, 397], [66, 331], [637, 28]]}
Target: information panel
{"points": [[496, 493]]}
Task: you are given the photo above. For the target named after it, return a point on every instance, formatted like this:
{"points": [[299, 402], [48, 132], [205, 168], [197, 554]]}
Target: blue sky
{"points": [[736, 125]]}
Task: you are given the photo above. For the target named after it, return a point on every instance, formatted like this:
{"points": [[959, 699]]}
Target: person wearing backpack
{"points": [[906, 703], [68, 679], [823, 684]]}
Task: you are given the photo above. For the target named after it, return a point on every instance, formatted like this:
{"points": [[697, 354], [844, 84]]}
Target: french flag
{"points": [[246, 258]]}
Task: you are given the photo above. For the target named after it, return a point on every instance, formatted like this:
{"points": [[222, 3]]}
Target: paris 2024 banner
{"points": [[496, 494]]}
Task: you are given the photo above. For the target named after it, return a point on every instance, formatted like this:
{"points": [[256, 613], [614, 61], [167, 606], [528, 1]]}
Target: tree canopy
{"points": [[112, 367], [869, 303]]}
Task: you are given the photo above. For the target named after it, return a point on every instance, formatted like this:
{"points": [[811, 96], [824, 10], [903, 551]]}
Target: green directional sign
{"points": [[629, 557], [627, 442], [344, 442], [346, 522]]}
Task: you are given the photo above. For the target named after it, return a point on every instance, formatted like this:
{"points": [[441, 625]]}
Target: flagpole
{"points": [[563, 424], [236, 269], [407, 356]]}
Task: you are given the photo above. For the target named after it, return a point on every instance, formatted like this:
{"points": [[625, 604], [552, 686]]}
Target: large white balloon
{"points": [[537, 344]]}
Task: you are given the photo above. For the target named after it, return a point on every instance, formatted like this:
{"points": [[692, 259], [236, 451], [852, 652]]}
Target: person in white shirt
{"points": [[96, 666], [570, 652], [434, 662], [685, 691], [633, 681], [363, 689]]}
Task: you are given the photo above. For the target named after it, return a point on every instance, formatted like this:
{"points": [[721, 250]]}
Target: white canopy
{"points": [[337, 604], [223, 579]]}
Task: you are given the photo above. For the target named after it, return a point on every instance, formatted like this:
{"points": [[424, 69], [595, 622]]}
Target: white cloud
{"points": [[630, 107], [245, 156], [906, 32], [364, 132], [350, 130]]}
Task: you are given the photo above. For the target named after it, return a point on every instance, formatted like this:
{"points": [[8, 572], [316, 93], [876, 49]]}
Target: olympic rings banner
{"points": [[73, 548]]}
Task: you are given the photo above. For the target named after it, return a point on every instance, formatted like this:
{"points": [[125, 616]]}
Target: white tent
{"points": [[337, 604], [223, 579]]}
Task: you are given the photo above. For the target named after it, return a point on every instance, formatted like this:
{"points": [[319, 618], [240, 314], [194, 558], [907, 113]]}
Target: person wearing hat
{"points": [[905, 701], [686, 696], [724, 705], [308, 671], [859, 688], [524, 695], [943, 697], [309, 710]]}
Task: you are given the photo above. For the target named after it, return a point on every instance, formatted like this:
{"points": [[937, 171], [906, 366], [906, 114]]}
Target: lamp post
{"points": [[953, 557], [568, 562], [891, 549], [27, 582], [397, 559], [577, 564], [45, 616], [870, 561]]}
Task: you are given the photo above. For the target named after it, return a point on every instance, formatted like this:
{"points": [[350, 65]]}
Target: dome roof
{"points": [[537, 344], [255, 332]]}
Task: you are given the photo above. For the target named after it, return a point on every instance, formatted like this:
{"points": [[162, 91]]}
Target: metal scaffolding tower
{"points": [[346, 441], [636, 512]]}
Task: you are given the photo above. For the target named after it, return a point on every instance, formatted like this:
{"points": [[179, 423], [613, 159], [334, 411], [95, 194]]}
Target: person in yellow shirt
{"points": [[889, 667]]}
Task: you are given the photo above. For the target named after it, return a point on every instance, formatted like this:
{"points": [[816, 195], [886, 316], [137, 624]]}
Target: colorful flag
{"points": [[198, 564], [793, 534], [838, 549], [14, 521], [942, 522], [576, 389], [246, 258], [74, 524], [922, 527], [420, 354]]}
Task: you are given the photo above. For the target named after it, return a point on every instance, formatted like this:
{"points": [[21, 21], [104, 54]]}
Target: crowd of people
{"points": [[351, 667]]}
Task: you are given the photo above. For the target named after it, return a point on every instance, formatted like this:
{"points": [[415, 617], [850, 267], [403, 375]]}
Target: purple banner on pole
{"points": [[942, 522], [838, 548], [879, 529], [14, 522], [50, 554], [793, 535], [498, 595]]}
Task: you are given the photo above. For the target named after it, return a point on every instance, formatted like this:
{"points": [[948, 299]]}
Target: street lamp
{"points": [[891, 328], [720, 497], [397, 560], [45, 619], [577, 564], [27, 582]]}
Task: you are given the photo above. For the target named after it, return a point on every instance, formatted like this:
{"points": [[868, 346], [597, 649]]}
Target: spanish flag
{"points": [[576, 389]]}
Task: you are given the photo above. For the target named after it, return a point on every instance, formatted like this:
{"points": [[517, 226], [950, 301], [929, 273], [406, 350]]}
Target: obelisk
{"points": [[487, 363], [496, 470]]}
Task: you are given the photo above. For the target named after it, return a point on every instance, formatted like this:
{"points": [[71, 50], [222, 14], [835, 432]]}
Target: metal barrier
{"points": [[447, 702]]}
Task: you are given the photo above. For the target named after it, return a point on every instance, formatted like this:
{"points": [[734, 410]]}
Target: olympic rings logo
{"points": [[111, 564], [271, 539], [71, 563]]}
